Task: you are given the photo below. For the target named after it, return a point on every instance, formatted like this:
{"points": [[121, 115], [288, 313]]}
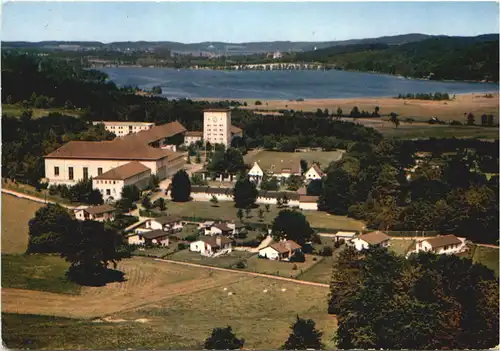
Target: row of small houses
{"points": [[217, 237], [304, 202]]}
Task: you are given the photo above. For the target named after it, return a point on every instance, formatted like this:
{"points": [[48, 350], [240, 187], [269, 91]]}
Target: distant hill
{"points": [[216, 47], [440, 57]]}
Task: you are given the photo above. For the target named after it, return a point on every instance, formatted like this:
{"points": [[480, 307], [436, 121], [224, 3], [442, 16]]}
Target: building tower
{"points": [[217, 126]]}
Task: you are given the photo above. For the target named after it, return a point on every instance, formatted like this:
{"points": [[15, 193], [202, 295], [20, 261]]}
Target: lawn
{"points": [[401, 246], [321, 272], [30, 190], [412, 131], [16, 213], [37, 272], [16, 111], [22, 331], [226, 261], [226, 211], [262, 318], [268, 158], [487, 256], [283, 269]]}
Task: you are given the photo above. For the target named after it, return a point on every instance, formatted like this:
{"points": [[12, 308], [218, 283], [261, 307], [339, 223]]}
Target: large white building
{"points": [[79, 160], [441, 244], [121, 128], [217, 126]]}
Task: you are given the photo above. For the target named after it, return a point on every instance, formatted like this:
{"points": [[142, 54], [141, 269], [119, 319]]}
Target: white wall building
{"points": [[256, 173], [111, 183], [151, 237], [166, 223], [441, 244], [307, 202], [313, 173], [95, 213], [217, 126], [120, 128], [191, 137], [282, 250], [212, 246], [372, 239]]}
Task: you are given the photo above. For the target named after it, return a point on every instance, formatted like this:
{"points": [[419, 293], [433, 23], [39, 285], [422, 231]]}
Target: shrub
{"points": [[327, 250], [191, 238], [298, 257], [181, 246], [241, 264], [258, 102], [294, 267], [315, 259]]}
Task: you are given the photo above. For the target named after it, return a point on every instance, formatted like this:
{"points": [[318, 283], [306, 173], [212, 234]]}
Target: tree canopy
{"points": [[47, 228], [425, 302], [291, 225], [245, 193], [304, 336], [181, 187], [223, 339]]}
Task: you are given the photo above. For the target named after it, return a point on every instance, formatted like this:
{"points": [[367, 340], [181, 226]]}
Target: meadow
{"points": [[268, 158]]}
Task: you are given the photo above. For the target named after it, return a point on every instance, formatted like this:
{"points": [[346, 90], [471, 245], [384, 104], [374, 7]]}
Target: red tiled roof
{"points": [[285, 246], [375, 238], [307, 198], [318, 170], [443, 240], [100, 209], [194, 133], [156, 133], [212, 240], [125, 171], [236, 130], [217, 110]]}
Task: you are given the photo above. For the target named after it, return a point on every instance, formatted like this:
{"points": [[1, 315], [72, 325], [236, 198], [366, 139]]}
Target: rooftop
{"points": [[124, 123], [318, 170], [308, 199], [217, 110], [212, 240], [236, 130], [375, 238], [125, 171], [167, 219], [99, 209], [444, 240], [194, 133], [153, 234], [156, 133], [285, 246]]}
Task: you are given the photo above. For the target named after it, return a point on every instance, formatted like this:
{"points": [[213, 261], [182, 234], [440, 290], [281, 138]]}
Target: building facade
{"points": [[120, 128], [217, 126]]}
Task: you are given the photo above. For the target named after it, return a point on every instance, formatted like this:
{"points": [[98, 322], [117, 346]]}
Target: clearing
{"points": [[268, 158], [16, 111], [487, 256], [16, 213], [225, 210]]}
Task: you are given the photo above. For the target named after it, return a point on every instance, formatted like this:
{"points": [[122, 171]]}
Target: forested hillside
{"points": [[456, 58]]}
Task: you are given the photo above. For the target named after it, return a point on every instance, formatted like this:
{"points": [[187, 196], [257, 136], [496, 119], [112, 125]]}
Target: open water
{"points": [[281, 85]]}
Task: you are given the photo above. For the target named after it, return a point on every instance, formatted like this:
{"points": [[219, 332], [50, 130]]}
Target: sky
{"points": [[191, 22]]}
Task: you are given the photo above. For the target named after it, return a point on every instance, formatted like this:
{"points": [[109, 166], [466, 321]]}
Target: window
{"points": [[56, 171], [108, 191], [99, 171], [70, 171], [85, 173]]}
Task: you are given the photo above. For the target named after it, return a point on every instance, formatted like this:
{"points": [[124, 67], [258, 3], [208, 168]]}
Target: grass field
{"points": [[400, 246], [37, 272], [268, 158], [16, 111], [424, 131], [227, 211], [487, 256], [227, 261], [321, 272], [16, 213], [42, 194]]}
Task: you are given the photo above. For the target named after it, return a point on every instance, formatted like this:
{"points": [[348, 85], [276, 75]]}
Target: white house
{"points": [[313, 173], [281, 251], [441, 244], [95, 213], [122, 128], [217, 126], [151, 237], [221, 229], [372, 239], [166, 223], [191, 137], [212, 246], [256, 173], [111, 183]]}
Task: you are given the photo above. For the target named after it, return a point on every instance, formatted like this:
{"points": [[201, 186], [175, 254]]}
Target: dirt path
{"points": [[247, 273], [33, 198]]}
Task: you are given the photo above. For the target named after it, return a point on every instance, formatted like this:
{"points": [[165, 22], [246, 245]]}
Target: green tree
{"points": [[291, 225], [129, 195], [267, 206], [335, 197], [239, 214], [261, 214], [294, 182], [197, 179], [198, 157], [393, 117], [315, 187], [83, 192], [161, 204], [90, 248], [154, 182], [214, 201], [270, 183], [146, 203], [355, 112], [304, 336], [47, 228], [156, 90], [245, 193], [470, 118], [304, 165], [223, 339], [339, 113], [181, 187], [248, 212]]}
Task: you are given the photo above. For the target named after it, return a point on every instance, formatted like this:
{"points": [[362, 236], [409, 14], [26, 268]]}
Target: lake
{"points": [[281, 85]]}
